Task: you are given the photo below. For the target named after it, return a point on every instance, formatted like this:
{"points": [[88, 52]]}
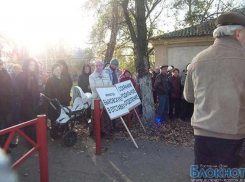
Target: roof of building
{"points": [[202, 29]]}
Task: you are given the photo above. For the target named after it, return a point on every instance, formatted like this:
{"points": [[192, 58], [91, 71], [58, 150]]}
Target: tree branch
{"points": [[150, 51], [207, 8], [152, 8], [160, 12], [128, 21], [132, 13]]}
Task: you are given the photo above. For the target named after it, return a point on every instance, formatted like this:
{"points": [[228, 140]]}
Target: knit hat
{"points": [[114, 61]]}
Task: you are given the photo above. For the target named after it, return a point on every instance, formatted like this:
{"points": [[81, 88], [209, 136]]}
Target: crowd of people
{"points": [[20, 94], [168, 86], [212, 85], [21, 88]]}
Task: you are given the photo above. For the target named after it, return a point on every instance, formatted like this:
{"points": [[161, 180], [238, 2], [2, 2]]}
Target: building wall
{"points": [[161, 55], [179, 51], [179, 57]]}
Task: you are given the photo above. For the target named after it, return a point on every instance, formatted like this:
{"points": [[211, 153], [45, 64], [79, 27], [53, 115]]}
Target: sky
{"points": [[36, 23]]}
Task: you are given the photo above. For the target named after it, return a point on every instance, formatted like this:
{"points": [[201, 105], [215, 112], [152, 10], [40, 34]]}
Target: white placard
{"points": [[129, 94], [112, 101]]}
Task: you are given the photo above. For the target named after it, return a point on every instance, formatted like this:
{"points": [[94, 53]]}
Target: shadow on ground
{"points": [[120, 161]]}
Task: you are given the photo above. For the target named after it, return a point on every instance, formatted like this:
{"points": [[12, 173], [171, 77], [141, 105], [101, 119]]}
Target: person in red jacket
{"points": [[125, 76], [175, 94]]}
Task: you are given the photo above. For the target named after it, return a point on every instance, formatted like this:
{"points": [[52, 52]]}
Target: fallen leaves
{"points": [[174, 132]]}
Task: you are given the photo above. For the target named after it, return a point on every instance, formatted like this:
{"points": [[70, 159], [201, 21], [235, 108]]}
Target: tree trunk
{"points": [[143, 62], [114, 29], [140, 42]]}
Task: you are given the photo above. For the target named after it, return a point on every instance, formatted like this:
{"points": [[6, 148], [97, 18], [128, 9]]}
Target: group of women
{"points": [[58, 86], [20, 93]]}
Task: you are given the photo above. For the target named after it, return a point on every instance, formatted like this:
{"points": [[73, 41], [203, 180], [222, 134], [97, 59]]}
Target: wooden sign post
{"points": [[114, 105]]}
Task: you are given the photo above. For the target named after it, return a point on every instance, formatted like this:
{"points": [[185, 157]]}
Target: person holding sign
{"points": [[99, 78], [113, 72], [126, 75]]}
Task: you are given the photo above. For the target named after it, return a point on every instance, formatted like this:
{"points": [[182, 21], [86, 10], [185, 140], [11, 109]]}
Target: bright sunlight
{"points": [[37, 23]]}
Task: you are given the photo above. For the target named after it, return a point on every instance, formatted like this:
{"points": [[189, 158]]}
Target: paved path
{"points": [[120, 161]]}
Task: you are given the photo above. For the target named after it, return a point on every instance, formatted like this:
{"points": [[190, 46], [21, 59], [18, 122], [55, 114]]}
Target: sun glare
{"points": [[35, 23]]}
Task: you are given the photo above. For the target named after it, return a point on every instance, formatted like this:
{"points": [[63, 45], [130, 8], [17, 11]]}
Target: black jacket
{"points": [[68, 76], [57, 89], [162, 86], [83, 82], [28, 92], [5, 93]]}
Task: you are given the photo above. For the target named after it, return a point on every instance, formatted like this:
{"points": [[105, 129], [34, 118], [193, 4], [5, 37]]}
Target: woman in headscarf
{"points": [[100, 78], [126, 75], [28, 92], [56, 88], [83, 80], [65, 72]]}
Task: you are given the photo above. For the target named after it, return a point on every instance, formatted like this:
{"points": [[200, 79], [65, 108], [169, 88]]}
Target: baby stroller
{"points": [[64, 124]]}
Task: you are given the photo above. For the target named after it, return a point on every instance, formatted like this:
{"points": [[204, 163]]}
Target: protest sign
{"points": [[117, 106], [129, 94], [112, 101]]}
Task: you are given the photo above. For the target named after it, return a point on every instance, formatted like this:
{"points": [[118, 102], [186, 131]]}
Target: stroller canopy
{"points": [[85, 97]]}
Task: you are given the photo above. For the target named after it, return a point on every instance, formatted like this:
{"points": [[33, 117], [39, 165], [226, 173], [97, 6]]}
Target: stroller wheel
{"points": [[54, 133], [70, 138]]}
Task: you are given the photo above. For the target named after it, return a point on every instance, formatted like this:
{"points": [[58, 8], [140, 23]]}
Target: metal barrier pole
{"points": [[97, 126], [43, 150]]}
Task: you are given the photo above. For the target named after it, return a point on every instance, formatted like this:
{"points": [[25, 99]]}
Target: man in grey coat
{"points": [[215, 83]]}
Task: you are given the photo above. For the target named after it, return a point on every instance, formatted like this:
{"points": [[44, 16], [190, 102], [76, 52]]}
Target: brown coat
{"points": [[215, 83]]}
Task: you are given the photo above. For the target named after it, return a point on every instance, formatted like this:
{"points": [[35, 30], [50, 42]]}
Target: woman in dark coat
{"points": [[5, 101], [28, 90], [56, 88], [83, 80], [176, 93], [64, 72], [16, 70]]}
